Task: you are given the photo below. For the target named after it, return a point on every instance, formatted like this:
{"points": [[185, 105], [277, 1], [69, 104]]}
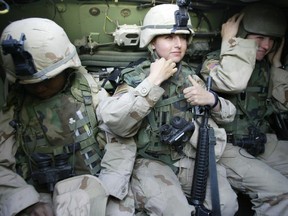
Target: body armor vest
{"points": [[58, 135], [171, 104], [253, 104]]}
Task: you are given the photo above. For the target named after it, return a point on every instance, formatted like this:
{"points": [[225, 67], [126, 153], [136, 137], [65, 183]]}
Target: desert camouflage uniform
{"points": [[43, 128], [52, 119], [246, 84], [62, 131], [161, 174]]}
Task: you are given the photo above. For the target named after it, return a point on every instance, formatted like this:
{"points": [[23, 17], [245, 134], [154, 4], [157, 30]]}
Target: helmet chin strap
{"points": [[153, 53]]}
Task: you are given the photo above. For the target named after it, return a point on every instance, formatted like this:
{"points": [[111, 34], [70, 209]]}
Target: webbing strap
{"points": [[92, 161], [256, 89], [94, 88], [165, 158], [56, 150], [170, 100]]}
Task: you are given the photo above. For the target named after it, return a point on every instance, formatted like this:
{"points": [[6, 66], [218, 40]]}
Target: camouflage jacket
{"points": [[127, 111], [65, 124], [256, 88], [232, 66]]}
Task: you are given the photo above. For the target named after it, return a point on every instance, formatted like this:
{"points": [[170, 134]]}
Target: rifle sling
{"points": [[213, 175]]}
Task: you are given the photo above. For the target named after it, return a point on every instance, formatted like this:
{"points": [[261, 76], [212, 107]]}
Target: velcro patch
{"points": [[212, 65]]}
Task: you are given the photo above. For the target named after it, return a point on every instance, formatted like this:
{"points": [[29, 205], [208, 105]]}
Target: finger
{"points": [[173, 64], [234, 17], [169, 60], [192, 81], [282, 42], [240, 17]]}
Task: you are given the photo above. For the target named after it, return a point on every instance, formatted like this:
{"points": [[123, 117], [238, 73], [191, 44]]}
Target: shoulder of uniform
{"points": [[136, 74], [213, 55]]}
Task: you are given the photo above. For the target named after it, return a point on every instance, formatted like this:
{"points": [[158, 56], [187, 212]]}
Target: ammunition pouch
{"points": [[279, 124]]}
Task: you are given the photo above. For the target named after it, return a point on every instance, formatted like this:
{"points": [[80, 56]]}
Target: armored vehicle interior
{"points": [[106, 33]]}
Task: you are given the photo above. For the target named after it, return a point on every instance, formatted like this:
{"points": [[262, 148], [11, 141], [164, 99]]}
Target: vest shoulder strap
{"points": [[133, 76], [93, 83], [213, 55]]}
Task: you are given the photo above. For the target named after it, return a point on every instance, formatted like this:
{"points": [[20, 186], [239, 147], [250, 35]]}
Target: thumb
{"points": [[192, 81], [239, 18]]}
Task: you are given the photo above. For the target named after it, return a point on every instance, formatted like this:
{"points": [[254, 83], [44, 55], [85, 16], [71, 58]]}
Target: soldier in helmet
{"points": [[153, 94], [248, 71], [49, 139]]}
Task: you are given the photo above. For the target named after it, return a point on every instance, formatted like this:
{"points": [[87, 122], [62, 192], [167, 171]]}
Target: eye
{"points": [[169, 37], [260, 37], [183, 36]]}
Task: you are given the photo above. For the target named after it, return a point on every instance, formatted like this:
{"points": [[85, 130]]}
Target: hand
{"points": [[161, 70], [275, 57], [197, 95], [230, 28], [40, 209]]}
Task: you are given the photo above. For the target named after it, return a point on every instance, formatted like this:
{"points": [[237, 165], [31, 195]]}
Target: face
{"points": [[47, 88], [172, 46], [264, 43]]}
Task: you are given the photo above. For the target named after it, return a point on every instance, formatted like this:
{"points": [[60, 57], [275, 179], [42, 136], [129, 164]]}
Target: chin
{"points": [[260, 57], [177, 60]]}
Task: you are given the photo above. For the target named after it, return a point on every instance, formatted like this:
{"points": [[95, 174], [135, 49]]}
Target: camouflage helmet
{"points": [[263, 19], [161, 20], [35, 49]]}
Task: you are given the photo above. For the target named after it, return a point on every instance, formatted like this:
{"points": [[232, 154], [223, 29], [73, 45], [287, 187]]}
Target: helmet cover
{"points": [[45, 45], [160, 20], [263, 19]]}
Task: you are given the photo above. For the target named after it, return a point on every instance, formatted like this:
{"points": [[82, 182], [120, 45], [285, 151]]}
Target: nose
{"points": [[266, 43], [177, 41], [40, 87], [37, 87]]}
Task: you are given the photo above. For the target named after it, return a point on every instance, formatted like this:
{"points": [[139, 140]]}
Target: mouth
{"points": [[262, 51], [176, 54], [260, 54]]}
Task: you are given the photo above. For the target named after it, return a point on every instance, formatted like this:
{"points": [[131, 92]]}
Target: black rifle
{"points": [[198, 191]]}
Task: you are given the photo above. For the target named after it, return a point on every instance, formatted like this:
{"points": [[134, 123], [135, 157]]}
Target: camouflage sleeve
{"points": [[16, 194], [280, 88], [227, 112], [231, 70], [123, 112]]}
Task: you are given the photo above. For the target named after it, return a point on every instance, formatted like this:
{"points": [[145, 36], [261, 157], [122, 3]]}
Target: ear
{"points": [[152, 45]]}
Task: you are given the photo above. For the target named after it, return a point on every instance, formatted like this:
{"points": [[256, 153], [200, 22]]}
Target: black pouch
{"points": [[279, 123]]}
